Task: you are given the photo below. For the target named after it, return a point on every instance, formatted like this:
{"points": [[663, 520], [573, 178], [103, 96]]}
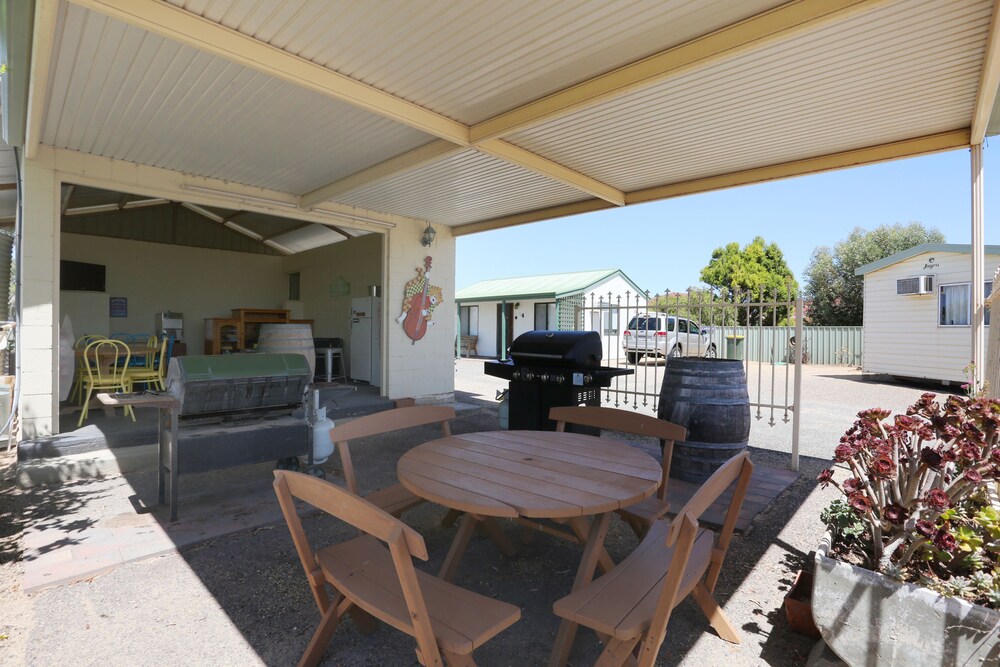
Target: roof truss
{"points": [[785, 21]]}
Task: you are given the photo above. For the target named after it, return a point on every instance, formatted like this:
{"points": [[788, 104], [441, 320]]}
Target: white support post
{"points": [[800, 343], [978, 255], [38, 337]]}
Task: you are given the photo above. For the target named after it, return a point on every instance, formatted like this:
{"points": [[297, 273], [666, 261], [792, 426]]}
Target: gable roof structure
{"points": [[551, 286], [374, 112], [903, 255]]}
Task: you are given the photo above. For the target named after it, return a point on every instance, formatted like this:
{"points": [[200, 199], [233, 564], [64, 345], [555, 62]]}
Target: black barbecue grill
{"points": [[550, 369], [231, 410]]}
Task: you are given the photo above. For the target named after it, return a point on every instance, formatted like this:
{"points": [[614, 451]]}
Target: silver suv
{"points": [[659, 334]]}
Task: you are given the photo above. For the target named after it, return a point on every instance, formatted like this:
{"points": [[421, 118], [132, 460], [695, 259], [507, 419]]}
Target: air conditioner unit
{"points": [[915, 286]]}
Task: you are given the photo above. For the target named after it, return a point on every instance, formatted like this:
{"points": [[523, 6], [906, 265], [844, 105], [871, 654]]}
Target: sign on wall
{"points": [[118, 306]]}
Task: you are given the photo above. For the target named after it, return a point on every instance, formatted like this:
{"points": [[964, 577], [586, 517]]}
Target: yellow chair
{"points": [[102, 371], [76, 392], [153, 374]]}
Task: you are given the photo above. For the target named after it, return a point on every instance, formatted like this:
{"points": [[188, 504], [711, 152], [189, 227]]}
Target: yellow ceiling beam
{"points": [[418, 157], [43, 38], [900, 149], [782, 22], [174, 23], [989, 80], [893, 151], [561, 211], [536, 163]]}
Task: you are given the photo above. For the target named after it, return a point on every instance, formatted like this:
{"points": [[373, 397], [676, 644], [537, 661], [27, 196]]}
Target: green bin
{"points": [[734, 347]]}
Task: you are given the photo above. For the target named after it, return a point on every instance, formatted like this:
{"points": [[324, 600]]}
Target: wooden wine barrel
{"points": [[709, 398], [289, 339]]}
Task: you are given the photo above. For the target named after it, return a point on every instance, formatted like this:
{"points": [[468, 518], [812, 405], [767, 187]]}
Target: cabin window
{"points": [[468, 316], [545, 317], [955, 304]]}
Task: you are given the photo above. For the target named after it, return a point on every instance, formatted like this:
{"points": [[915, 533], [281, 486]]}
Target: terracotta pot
{"points": [[798, 606]]}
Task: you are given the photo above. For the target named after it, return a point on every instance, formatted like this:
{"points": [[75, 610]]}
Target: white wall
{"points": [[613, 291], [424, 369], [199, 282], [901, 333]]}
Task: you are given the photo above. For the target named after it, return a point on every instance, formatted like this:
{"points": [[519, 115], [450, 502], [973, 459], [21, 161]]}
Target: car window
{"points": [[682, 326], [643, 323], [671, 324]]}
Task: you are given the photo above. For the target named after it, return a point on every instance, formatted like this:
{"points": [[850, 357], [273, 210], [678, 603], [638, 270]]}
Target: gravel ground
{"points": [[242, 599]]}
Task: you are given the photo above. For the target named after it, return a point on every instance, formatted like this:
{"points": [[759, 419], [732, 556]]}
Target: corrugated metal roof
{"points": [[551, 286], [118, 91], [467, 186], [881, 76], [919, 250], [826, 82], [471, 60]]}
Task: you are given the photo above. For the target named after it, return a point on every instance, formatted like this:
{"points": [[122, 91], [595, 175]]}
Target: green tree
{"points": [[835, 295], [757, 272]]}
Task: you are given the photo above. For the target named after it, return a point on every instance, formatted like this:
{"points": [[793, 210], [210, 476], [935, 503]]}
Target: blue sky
{"points": [[664, 245]]}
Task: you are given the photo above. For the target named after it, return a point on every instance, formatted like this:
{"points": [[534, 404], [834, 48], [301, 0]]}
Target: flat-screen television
{"points": [[81, 276]]}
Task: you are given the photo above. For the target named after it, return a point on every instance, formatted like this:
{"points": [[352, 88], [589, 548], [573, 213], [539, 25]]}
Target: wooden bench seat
{"points": [[393, 499], [469, 345], [462, 621]]}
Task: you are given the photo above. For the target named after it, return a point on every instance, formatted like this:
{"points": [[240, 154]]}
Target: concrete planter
{"points": [[869, 619]]}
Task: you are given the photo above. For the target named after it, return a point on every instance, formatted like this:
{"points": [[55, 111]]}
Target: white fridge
{"points": [[366, 340]]}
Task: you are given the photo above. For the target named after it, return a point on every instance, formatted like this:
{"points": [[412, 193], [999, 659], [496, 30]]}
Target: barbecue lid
{"points": [[561, 348]]}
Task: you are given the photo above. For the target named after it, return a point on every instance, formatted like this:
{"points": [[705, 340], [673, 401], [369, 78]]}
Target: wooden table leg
{"points": [[495, 533], [458, 546], [582, 528], [591, 556]]}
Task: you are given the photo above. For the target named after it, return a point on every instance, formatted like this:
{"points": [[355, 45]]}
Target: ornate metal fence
{"points": [[759, 329]]}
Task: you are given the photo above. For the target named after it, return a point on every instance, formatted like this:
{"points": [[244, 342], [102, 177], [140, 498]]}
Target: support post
{"points": [[503, 330], [976, 295], [800, 343]]}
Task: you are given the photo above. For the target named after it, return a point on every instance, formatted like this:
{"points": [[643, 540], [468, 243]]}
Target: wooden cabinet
{"points": [[222, 335], [250, 320], [225, 335]]}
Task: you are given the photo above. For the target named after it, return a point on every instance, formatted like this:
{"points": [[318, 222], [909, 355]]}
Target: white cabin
{"points": [[917, 311], [503, 309]]}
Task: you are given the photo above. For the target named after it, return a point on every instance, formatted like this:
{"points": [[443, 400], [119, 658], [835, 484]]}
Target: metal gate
{"points": [[760, 329]]}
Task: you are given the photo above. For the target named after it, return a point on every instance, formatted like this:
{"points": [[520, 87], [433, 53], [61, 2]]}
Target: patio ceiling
{"points": [[483, 115]]}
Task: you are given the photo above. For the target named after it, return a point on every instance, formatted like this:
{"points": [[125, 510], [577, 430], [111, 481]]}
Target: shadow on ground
{"points": [[255, 578]]}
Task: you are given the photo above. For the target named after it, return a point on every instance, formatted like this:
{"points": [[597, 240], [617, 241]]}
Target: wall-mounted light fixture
{"points": [[428, 237]]}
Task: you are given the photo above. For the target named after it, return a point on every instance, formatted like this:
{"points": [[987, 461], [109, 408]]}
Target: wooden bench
{"points": [[469, 345]]}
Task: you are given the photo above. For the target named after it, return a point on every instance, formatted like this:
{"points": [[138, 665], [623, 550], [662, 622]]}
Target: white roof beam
{"points": [[43, 38], [780, 23], [989, 80]]}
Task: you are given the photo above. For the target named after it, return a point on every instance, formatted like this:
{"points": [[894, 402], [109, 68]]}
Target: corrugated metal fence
{"points": [[824, 345]]}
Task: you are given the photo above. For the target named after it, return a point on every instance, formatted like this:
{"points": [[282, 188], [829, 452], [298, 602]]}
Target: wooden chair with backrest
{"points": [[641, 515], [630, 606], [153, 373], [79, 347], [101, 373], [393, 499], [448, 622]]}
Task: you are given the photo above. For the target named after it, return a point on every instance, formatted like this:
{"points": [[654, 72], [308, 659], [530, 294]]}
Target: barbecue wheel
{"points": [[290, 463], [316, 471]]}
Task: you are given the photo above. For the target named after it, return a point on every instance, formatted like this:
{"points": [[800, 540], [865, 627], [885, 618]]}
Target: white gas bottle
{"points": [[321, 444]]}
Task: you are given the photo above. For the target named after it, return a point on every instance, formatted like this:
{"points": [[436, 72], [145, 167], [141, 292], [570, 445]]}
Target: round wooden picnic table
{"points": [[532, 475]]}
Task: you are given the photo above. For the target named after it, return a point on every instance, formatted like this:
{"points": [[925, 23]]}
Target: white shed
{"points": [[504, 308], [917, 311]]}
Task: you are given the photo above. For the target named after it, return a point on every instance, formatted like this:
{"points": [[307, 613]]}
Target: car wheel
{"points": [[633, 357], [675, 352], [711, 352]]}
